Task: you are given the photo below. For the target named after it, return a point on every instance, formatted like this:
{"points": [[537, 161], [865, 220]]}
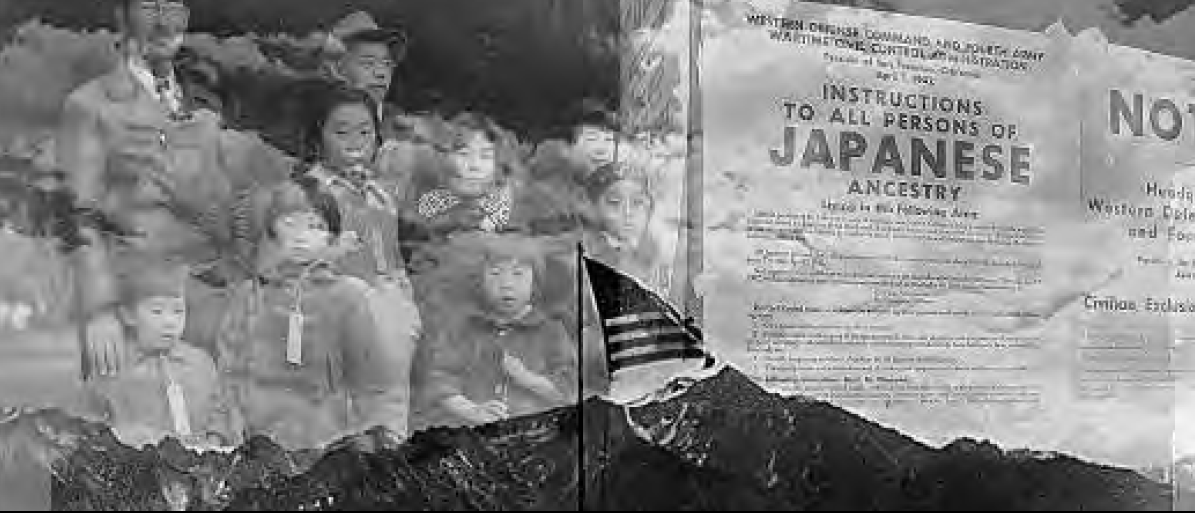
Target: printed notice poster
{"points": [[1138, 196], [893, 215]]}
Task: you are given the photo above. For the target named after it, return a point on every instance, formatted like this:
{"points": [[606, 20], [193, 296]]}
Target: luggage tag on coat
{"points": [[294, 338], [381, 264], [177, 403], [178, 409]]}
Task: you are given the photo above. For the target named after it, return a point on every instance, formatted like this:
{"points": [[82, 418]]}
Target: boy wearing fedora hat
{"points": [[365, 56]]}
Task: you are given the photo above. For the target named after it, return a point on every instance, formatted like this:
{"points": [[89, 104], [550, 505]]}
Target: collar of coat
{"points": [[361, 182], [534, 317], [286, 274], [174, 354]]}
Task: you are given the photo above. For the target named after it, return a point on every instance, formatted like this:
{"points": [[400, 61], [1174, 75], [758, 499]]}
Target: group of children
{"points": [[335, 330]]}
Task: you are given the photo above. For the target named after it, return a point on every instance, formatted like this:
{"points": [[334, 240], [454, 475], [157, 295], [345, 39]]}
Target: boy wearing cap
{"points": [[365, 56], [298, 346], [503, 356], [169, 388]]}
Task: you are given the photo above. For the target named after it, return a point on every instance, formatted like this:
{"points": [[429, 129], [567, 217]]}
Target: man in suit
{"points": [[133, 148]]}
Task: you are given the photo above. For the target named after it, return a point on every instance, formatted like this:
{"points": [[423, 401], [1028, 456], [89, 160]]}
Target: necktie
{"points": [[166, 96]]}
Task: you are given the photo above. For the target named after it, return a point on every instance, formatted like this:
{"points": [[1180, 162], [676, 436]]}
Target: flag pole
{"points": [[581, 476], [580, 319], [694, 170]]}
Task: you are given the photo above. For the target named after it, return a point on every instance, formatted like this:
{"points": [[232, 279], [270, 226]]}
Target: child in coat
{"points": [[344, 138], [298, 347], [503, 355], [169, 388]]}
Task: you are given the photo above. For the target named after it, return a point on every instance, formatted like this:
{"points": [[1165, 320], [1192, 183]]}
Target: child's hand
{"points": [[495, 408], [475, 413], [202, 441], [138, 435], [105, 345], [517, 370], [373, 440], [524, 377]]}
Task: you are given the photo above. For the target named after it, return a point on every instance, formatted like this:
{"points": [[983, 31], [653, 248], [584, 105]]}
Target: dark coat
{"points": [[465, 358]]}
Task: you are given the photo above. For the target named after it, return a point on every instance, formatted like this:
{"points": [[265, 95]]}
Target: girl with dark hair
{"points": [[477, 193], [503, 353], [342, 138], [596, 138]]}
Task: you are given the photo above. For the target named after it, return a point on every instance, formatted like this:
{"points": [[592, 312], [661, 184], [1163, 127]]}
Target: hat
{"points": [[152, 278], [359, 26]]}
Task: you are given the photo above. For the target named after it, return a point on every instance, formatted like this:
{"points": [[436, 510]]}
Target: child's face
{"points": [[302, 236], [349, 136], [625, 209], [508, 285], [474, 167], [596, 144], [158, 321]]}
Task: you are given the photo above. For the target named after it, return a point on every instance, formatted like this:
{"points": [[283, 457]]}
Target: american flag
{"points": [[639, 327]]}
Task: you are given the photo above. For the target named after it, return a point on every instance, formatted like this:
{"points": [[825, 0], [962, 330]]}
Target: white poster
{"points": [[893, 213]]}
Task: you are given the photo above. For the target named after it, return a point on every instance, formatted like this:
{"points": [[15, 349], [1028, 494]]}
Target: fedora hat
{"points": [[359, 27]]}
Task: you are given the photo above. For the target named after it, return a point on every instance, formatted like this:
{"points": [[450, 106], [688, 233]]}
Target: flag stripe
{"points": [[671, 354], [616, 349], [632, 330], [655, 331], [653, 346], [645, 324], [634, 318], [655, 328]]}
